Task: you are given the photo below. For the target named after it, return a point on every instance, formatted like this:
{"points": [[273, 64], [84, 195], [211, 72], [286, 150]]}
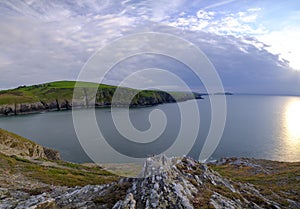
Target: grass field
{"points": [[44, 92], [63, 90]]}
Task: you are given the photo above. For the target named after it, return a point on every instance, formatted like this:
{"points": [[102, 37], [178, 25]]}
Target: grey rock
{"points": [[164, 183]]}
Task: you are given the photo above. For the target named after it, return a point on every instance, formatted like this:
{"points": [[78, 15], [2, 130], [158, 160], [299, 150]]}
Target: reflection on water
{"points": [[289, 147], [292, 121]]}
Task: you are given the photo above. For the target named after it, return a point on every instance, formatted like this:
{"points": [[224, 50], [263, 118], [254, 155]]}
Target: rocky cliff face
{"points": [[164, 183], [26, 108], [12, 144], [62, 99]]}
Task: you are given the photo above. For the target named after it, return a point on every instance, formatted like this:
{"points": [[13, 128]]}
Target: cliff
{"points": [[14, 145], [59, 96]]}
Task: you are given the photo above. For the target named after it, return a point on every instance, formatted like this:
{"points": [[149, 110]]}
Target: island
{"points": [[225, 93], [59, 96]]}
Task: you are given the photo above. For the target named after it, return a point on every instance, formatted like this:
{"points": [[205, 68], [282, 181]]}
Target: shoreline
{"points": [[61, 109]]}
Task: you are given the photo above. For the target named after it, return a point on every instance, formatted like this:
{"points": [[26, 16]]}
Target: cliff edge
{"points": [[14, 145]]}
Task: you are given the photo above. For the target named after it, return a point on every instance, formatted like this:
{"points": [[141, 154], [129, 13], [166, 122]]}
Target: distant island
{"points": [[224, 93], [59, 96], [218, 93]]}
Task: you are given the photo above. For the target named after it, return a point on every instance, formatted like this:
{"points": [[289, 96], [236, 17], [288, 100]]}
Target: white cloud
{"points": [[285, 43], [208, 15], [247, 23], [223, 23]]}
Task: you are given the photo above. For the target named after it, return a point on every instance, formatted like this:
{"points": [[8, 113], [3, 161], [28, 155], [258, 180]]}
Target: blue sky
{"points": [[253, 44]]}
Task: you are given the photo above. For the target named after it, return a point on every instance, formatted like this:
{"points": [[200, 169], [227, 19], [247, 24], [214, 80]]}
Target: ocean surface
{"points": [[265, 127]]}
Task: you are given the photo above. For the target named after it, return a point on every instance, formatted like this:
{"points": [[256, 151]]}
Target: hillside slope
{"points": [[58, 96], [27, 166]]}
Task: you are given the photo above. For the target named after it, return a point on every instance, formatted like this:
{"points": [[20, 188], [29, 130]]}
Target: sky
{"points": [[253, 44]]}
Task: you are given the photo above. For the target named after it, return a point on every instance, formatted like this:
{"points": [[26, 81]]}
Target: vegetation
{"points": [[64, 90], [273, 179], [44, 92], [54, 175], [19, 140], [115, 193], [16, 169], [60, 95]]}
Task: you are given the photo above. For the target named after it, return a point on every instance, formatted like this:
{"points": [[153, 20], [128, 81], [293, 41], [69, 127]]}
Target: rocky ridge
{"points": [[32, 176], [163, 183]]}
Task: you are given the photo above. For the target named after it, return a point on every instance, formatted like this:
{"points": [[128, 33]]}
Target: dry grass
{"points": [[281, 180]]}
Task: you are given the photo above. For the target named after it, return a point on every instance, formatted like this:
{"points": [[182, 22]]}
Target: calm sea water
{"points": [[257, 126]]}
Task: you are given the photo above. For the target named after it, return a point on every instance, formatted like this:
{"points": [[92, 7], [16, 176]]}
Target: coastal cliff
{"points": [[14, 145], [31, 180], [59, 96]]}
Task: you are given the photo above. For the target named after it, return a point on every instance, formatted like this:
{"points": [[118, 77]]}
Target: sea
{"points": [[256, 126]]}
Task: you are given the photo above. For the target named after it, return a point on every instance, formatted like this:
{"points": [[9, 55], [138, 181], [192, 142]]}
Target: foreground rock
{"points": [[164, 183], [31, 176]]}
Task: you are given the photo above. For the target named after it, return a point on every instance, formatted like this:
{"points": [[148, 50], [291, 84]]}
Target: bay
{"points": [[257, 126]]}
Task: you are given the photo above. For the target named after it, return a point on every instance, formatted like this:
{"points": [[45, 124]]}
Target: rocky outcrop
{"points": [[164, 183], [51, 154], [36, 107], [14, 145]]}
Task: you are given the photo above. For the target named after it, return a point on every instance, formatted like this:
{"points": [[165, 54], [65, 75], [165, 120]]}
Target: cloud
{"points": [[202, 14], [247, 23], [51, 40], [242, 66], [285, 43], [214, 5], [39, 49], [252, 69], [223, 23]]}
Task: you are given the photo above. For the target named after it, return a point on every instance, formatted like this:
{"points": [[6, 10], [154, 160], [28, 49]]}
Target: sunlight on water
{"points": [[292, 120], [288, 148]]}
